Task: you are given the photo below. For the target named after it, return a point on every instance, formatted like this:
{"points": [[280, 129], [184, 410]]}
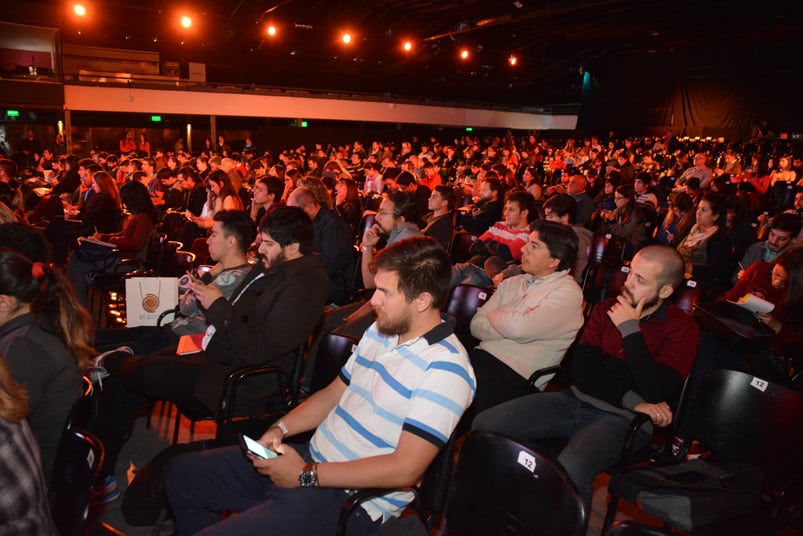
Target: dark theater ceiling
{"points": [[553, 41]]}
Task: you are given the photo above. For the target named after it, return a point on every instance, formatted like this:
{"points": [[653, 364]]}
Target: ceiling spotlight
{"points": [[79, 10], [346, 38], [464, 54], [407, 46], [513, 60], [271, 30], [186, 21]]}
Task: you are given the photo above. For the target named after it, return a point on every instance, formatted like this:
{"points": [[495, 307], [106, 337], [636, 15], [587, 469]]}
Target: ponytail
{"points": [[56, 309], [52, 302]]}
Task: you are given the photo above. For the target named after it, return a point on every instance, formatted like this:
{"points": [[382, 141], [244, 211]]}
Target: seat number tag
{"points": [[759, 384], [482, 295], [527, 460]]}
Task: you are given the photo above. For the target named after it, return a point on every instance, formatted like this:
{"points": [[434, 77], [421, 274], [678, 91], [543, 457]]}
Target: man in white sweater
{"points": [[530, 321]]}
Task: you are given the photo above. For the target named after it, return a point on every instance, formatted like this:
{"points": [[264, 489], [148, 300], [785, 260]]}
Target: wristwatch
{"points": [[308, 477]]}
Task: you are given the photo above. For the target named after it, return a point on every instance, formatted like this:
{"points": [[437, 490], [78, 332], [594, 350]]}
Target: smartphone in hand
{"points": [[251, 446]]}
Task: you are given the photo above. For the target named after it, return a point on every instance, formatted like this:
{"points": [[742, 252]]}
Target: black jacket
{"points": [[274, 315]]}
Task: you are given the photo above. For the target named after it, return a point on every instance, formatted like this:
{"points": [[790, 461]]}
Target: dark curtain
{"points": [[725, 97]]}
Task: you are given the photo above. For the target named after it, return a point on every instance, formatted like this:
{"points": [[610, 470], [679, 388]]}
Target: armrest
{"points": [[535, 376], [229, 400], [125, 262], [361, 496], [632, 429], [163, 315], [136, 273]]}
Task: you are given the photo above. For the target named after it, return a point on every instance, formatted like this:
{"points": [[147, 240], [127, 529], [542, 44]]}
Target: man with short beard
{"points": [[633, 357], [379, 424]]}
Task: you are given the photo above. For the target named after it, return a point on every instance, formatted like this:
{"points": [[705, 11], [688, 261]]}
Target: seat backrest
{"points": [[464, 300], [687, 295], [502, 487], [596, 250], [177, 263], [154, 251], [782, 194], [745, 418], [85, 408], [334, 350], [77, 465], [613, 281], [200, 249], [434, 487], [460, 246]]}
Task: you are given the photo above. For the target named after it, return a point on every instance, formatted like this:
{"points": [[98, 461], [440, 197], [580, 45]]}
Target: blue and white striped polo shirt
{"points": [[422, 387]]}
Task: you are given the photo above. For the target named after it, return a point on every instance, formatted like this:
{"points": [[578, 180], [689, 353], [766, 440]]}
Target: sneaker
{"points": [[105, 491]]}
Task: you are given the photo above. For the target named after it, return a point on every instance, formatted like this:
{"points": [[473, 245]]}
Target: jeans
{"points": [[465, 273], [200, 485], [595, 437]]}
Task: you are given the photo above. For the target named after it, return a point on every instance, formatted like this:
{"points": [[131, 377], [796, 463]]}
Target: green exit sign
{"points": [[469, 129], [12, 113], [156, 118]]}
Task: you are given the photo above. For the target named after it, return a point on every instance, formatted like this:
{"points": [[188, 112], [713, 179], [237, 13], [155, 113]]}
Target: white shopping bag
{"points": [[148, 297]]}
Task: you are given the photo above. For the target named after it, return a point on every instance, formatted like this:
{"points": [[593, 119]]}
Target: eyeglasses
{"points": [[384, 213]]}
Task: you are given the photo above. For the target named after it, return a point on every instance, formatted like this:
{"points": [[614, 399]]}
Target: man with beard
{"points": [[379, 424], [268, 316], [488, 210], [633, 357]]}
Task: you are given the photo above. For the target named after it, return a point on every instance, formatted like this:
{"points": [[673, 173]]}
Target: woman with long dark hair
{"points": [[347, 201], [221, 195], [102, 211], [44, 335], [707, 249]]}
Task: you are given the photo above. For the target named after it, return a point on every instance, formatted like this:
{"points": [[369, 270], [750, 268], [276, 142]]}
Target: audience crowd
{"points": [[368, 240]]}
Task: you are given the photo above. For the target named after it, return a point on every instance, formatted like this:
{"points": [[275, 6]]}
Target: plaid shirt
{"points": [[24, 507]]}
